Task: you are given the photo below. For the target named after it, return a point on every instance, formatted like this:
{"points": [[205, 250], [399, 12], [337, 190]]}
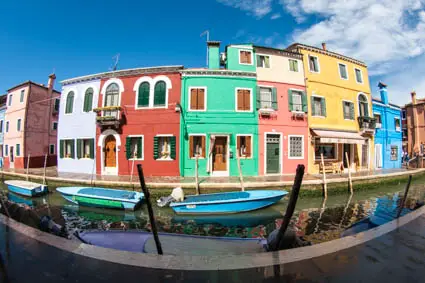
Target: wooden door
{"points": [[220, 154], [110, 152], [273, 154]]}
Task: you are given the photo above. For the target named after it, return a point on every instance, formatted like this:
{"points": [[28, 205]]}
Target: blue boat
{"points": [[172, 244], [227, 202], [26, 188], [101, 197], [21, 199]]}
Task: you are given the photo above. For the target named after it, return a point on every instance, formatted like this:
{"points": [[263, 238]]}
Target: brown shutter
{"points": [[191, 147], [238, 145], [240, 99], [248, 57], [203, 146], [248, 146], [193, 99], [201, 98], [243, 57], [246, 99]]}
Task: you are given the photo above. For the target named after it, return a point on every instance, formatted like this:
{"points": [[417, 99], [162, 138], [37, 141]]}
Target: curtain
{"points": [[212, 142]]}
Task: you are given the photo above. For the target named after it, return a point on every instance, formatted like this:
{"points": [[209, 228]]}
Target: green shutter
{"points": [[129, 154], [143, 98], [72, 148], [304, 100], [69, 103], [313, 111], [79, 148], [91, 143], [173, 147], [155, 147], [89, 101], [18, 150], [258, 97], [159, 94], [139, 147], [61, 146], [274, 98], [352, 111], [290, 103], [323, 102]]}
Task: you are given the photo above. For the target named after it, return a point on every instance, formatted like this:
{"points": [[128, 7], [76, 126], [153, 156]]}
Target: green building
{"points": [[219, 114]]}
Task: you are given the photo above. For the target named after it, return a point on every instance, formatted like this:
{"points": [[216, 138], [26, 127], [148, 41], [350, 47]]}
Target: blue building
{"points": [[388, 135], [3, 99]]}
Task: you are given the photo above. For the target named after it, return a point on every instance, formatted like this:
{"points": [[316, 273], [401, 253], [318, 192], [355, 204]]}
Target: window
{"points": [[359, 75], [343, 71], [55, 126], [67, 149], [164, 148], [243, 100], [329, 151], [397, 124], [197, 146], [245, 57], [7, 126], [244, 146], [297, 101], [134, 147], [403, 114], [378, 120], [268, 98], [69, 103], [159, 94], [85, 148], [394, 153], [88, 100], [1, 150], [56, 107], [6, 150], [197, 100], [348, 110], [21, 98], [293, 65], [18, 150], [363, 106], [52, 150], [313, 63], [18, 125], [318, 105], [296, 147], [143, 95], [263, 61], [10, 100], [1, 126]]}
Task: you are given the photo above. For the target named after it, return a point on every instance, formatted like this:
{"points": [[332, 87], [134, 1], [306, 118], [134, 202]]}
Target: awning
{"points": [[339, 137]]}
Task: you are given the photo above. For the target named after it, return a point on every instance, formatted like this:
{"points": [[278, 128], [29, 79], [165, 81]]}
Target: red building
{"points": [[139, 120]]}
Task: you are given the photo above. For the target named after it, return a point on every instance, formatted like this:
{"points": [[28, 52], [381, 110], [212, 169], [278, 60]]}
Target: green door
{"points": [[273, 154]]}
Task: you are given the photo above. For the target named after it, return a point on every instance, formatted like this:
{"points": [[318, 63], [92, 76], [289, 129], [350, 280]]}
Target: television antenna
{"points": [[117, 59], [207, 33]]}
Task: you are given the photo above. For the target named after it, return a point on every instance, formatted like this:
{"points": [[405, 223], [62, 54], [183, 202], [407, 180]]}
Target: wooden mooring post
{"points": [[28, 165], [240, 171], [325, 185], [44, 171], [406, 191], [350, 182], [150, 210], [132, 168], [197, 174]]}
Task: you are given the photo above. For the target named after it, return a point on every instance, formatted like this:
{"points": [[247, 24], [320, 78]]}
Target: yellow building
{"points": [[340, 110]]}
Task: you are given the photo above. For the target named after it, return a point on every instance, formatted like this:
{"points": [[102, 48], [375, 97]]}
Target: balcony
{"points": [[367, 124], [108, 116]]}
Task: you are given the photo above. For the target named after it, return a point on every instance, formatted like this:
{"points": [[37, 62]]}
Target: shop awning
{"points": [[339, 137]]}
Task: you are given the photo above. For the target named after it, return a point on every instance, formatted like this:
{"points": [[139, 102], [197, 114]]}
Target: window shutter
{"points": [[155, 147], [290, 103], [240, 99], [238, 144], [91, 143], [191, 140], [352, 111], [193, 99], [128, 154], [248, 146], [143, 98], [247, 100], [200, 99], [72, 148], [139, 147], [79, 148], [203, 146], [173, 147], [313, 111], [304, 100], [159, 94], [323, 102], [258, 97], [61, 151], [274, 98]]}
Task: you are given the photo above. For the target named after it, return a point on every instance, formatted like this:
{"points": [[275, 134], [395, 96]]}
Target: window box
{"points": [[265, 111]]}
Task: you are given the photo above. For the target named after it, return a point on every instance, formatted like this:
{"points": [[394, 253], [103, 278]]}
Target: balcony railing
{"points": [[108, 115], [367, 123]]}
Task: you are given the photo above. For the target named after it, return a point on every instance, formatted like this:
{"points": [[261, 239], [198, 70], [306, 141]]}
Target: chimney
{"points": [[413, 94], [383, 92], [213, 54], [324, 46], [51, 82]]}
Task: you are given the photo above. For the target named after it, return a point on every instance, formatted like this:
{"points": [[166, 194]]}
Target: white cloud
{"points": [[257, 8], [275, 16]]}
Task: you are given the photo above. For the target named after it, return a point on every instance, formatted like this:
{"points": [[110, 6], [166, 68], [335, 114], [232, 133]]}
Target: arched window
{"points": [[88, 100], [363, 106], [69, 103], [111, 98], [143, 96], [159, 94]]}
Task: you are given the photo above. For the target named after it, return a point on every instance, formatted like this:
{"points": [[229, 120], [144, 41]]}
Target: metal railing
{"points": [[366, 123]]}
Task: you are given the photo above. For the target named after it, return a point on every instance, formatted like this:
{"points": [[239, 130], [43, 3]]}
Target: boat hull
{"points": [[37, 191]]}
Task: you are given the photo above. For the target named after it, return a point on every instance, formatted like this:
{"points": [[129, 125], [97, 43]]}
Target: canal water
{"points": [[314, 219]]}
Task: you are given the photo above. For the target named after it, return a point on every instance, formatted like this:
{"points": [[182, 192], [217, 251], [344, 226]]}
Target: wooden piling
{"points": [[240, 171], [325, 185], [28, 165], [132, 168], [406, 191], [150, 210], [44, 171], [197, 174], [350, 182]]}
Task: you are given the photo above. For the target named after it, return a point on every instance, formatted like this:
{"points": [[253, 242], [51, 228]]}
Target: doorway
{"points": [[110, 151], [11, 157], [220, 157], [346, 149], [378, 156], [272, 154]]}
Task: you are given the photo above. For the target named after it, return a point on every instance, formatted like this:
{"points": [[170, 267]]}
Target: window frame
{"points": [[318, 64], [143, 147], [361, 75], [53, 127], [64, 148], [289, 146], [152, 82], [395, 124], [17, 148], [205, 98], [271, 96], [155, 82], [289, 65], [403, 114], [9, 99], [54, 149], [22, 96], [321, 97], [380, 119], [66, 102], [6, 150], [252, 56], [264, 55], [252, 145], [92, 99], [105, 87], [251, 100], [198, 135], [6, 127], [165, 136], [346, 71], [19, 125], [343, 115], [358, 104], [300, 91], [83, 139], [336, 147], [2, 125]]}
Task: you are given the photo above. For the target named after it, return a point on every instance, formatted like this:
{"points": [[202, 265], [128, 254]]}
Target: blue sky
{"points": [[76, 38]]}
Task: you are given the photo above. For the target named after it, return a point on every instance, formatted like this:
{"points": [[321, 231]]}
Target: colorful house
{"points": [[340, 110], [31, 124], [3, 100], [77, 125], [219, 114], [388, 136], [138, 120], [415, 124], [282, 110]]}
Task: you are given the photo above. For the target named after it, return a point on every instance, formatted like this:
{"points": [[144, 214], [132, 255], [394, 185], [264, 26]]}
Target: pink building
{"points": [[31, 122]]}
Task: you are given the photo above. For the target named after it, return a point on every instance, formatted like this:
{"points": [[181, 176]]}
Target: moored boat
{"points": [[26, 188], [101, 197]]}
